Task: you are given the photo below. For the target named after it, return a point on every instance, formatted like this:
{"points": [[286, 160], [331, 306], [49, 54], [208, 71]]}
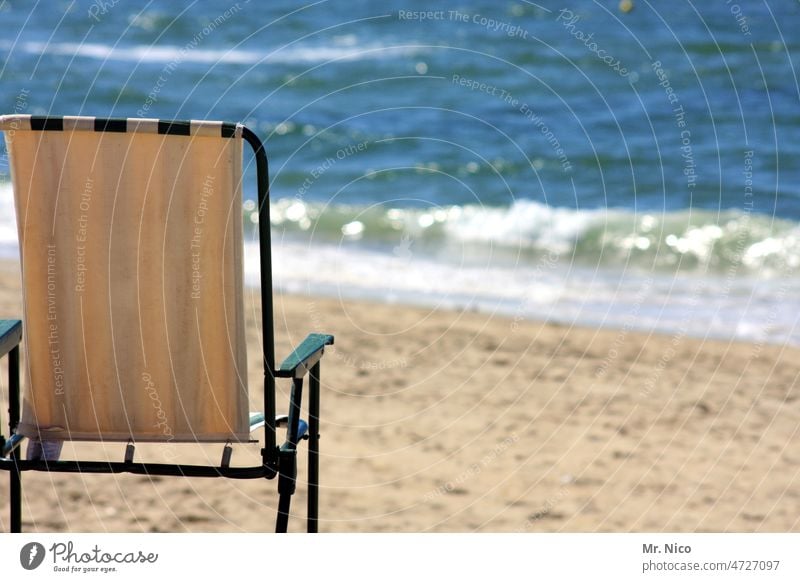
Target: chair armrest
{"points": [[10, 445], [10, 335], [256, 420], [304, 356]]}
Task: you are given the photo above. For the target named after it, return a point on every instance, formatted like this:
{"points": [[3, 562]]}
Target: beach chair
{"points": [[131, 246]]}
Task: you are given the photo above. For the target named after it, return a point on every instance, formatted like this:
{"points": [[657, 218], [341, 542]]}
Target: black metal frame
{"points": [[276, 461]]}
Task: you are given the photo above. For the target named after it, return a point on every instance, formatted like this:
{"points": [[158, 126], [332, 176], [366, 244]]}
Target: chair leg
{"points": [[313, 450], [15, 501], [287, 459], [14, 476], [282, 523], [286, 486]]}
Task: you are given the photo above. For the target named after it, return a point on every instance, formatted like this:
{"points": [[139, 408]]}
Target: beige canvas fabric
{"points": [[131, 250]]}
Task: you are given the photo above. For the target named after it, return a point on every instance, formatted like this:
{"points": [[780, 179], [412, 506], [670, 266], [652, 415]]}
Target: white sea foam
{"points": [[8, 225], [525, 223], [171, 54], [698, 241]]}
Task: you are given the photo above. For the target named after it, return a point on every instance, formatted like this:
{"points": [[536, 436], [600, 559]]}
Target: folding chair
{"points": [[131, 248]]}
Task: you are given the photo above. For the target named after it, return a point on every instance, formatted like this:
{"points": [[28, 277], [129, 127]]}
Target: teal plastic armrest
{"points": [[256, 420], [305, 355], [11, 444], [10, 335]]}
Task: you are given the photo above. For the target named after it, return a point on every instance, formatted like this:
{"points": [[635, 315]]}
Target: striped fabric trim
{"points": [[191, 128]]}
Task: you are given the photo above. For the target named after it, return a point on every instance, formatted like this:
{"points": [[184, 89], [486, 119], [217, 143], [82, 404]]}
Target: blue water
{"points": [[544, 160]]}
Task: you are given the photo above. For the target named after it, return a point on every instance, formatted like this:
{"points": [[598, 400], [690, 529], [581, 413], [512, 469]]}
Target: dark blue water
{"points": [[660, 140], [343, 72]]}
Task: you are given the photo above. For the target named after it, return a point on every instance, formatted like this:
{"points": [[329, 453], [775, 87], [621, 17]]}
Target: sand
{"points": [[437, 420]]}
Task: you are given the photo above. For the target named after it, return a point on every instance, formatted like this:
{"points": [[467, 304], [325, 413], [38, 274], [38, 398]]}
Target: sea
{"points": [[632, 166]]}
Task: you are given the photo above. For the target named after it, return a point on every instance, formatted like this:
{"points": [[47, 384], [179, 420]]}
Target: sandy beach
{"points": [[437, 420]]}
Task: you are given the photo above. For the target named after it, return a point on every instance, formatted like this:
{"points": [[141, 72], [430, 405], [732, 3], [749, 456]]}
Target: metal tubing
{"points": [[267, 330], [13, 390], [282, 523], [295, 400], [313, 449], [15, 486], [254, 472], [14, 477], [287, 477]]}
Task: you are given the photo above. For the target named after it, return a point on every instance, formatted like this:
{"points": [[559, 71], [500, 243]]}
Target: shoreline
{"points": [[9, 269], [544, 263], [437, 420]]}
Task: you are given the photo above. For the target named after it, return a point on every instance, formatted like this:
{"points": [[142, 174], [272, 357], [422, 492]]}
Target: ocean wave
{"points": [[8, 225], [187, 54], [531, 261], [730, 242]]}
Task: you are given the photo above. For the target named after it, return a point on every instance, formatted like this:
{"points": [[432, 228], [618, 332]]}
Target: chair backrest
{"points": [[131, 248]]}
